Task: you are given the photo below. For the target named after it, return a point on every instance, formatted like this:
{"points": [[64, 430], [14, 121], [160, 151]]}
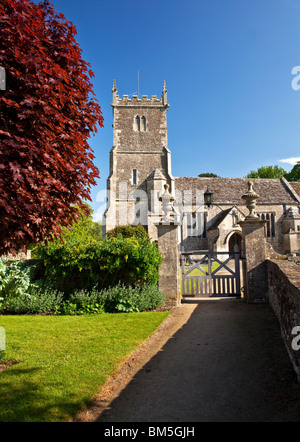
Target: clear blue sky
{"points": [[228, 68]]}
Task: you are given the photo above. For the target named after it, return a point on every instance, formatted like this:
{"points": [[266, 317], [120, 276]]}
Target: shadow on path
{"points": [[228, 363]]}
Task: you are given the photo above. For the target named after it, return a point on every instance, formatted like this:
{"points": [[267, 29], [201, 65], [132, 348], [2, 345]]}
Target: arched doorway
{"points": [[235, 239]]}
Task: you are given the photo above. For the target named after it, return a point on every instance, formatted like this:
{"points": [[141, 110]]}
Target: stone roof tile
{"points": [[296, 187], [230, 190]]}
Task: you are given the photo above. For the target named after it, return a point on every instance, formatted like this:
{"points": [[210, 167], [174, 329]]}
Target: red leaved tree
{"points": [[47, 114]]}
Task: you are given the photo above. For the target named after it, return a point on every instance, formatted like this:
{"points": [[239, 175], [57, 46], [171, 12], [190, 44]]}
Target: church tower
{"points": [[140, 161]]}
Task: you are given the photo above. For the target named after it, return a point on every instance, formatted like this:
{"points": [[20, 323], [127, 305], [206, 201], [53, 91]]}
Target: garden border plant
{"points": [[84, 275], [42, 299]]}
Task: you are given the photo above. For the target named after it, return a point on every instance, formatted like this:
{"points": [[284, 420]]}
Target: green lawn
{"points": [[62, 360]]}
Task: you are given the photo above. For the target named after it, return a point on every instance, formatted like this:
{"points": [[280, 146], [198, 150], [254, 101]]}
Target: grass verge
{"points": [[62, 361]]}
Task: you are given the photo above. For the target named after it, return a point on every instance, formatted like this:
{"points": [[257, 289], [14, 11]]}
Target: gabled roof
{"points": [[230, 190], [219, 218]]}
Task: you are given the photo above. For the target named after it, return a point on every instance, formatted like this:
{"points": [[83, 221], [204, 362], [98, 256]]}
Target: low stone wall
{"points": [[284, 297]]}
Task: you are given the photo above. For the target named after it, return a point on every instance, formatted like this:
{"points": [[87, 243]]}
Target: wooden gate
{"points": [[206, 274]]}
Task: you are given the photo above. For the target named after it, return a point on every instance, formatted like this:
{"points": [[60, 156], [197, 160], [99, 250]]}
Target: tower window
{"points": [[137, 124], [134, 177], [140, 124], [143, 124]]}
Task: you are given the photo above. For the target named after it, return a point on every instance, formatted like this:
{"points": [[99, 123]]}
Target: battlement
{"points": [[137, 101]]}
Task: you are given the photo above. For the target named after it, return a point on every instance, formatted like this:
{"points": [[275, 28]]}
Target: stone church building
{"points": [[209, 210]]}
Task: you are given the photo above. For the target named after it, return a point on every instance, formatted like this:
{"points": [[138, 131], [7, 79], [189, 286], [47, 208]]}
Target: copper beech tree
{"points": [[47, 114]]}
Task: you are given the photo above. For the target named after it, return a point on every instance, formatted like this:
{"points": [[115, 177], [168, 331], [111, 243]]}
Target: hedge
{"points": [[105, 263]]}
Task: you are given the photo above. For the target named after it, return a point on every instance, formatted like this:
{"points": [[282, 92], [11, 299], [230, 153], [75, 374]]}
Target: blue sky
{"points": [[228, 68]]}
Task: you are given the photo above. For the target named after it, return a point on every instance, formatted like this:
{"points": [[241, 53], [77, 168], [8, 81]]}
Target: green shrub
{"points": [[15, 278], [127, 231], [128, 299], [132, 299], [117, 259], [129, 260], [19, 295], [120, 299], [81, 302], [149, 298]]}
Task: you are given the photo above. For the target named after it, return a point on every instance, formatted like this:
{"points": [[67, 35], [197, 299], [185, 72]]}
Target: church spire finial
{"points": [[114, 89]]}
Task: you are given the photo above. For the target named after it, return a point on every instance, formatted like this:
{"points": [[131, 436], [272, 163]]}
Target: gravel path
{"points": [[210, 361]]}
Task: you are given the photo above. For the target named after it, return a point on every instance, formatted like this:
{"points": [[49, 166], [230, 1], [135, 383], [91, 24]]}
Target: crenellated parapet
{"points": [[136, 101]]}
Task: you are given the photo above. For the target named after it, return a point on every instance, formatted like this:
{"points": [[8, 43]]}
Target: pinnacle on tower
{"points": [[164, 94], [114, 92]]}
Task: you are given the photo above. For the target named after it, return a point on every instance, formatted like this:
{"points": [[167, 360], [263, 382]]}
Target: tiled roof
{"points": [[296, 187], [230, 190]]}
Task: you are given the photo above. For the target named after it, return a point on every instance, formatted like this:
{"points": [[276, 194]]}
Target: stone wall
{"points": [[284, 297]]}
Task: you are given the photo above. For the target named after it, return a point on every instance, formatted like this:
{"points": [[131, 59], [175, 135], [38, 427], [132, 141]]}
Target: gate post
{"points": [[254, 251], [168, 245], [169, 273]]}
